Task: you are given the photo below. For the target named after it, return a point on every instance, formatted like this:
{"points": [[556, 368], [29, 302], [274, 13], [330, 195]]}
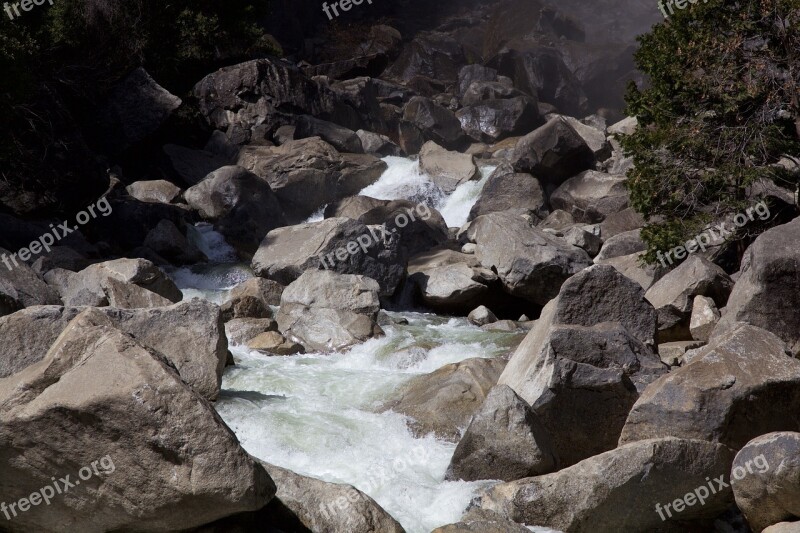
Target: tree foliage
{"points": [[720, 110]]}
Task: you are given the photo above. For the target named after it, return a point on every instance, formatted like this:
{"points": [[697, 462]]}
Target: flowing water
{"points": [[319, 414]]}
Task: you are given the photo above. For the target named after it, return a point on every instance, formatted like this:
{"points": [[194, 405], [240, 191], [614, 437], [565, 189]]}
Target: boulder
{"points": [[491, 91], [591, 196], [326, 311], [354, 207], [616, 223], [241, 205], [443, 401], [632, 267], [423, 120], [491, 525], [90, 286], [506, 190], [447, 169], [705, 317], [21, 287], [586, 360], [674, 353], [266, 290], [470, 74], [377, 144], [492, 120], [504, 440], [273, 342], [557, 220], [481, 316], [584, 238], [241, 330], [784, 527], [767, 293], [130, 412], [647, 476], [332, 244], [765, 477], [454, 286], [530, 263], [435, 55], [743, 384], [625, 243], [341, 138], [673, 294], [60, 257], [595, 137], [156, 191], [309, 173], [129, 296], [553, 153], [307, 504]]}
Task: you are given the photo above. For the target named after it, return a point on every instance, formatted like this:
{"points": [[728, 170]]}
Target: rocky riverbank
{"points": [[427, 254]]}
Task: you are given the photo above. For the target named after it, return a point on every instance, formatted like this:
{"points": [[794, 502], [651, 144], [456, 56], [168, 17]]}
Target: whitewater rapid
{"points": [[318, 414]]}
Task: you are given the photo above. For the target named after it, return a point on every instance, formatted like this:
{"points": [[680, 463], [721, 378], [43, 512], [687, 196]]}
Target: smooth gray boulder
{"points": [[673, 295], [626, 489], [100, 396], [705, 317], [591, 196], [767, 293], [766, 479], [586, 360], [241, 330], [326, 311], [481, 316], [530, 263], [240, 204], [377, 144], [447, 169], [743, 384], [632, 267], [625, 243], [506, 190], [443, 401], [504, 440], [553, 153]]}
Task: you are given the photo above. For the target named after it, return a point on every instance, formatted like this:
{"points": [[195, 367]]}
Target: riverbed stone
{"points": [[481, 316], [591, 196], [705, 317], [507, 190], [273, 342], [447, 169], [241, 330]]}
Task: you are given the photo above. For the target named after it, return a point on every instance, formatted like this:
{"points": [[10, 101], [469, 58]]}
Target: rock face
{"points": [[307, 504], [195, 344], [447, 169], [764, 475], [334, 244], [552, 153], [672, 295], [443, 401], [326, 311], [591, 196], [241, 205], [743, 384], [586, 497], [506, 190], [309, 173], [530, 263], [504, 440], [767, 293], [584, 363], [22, 287], [111, 386]]}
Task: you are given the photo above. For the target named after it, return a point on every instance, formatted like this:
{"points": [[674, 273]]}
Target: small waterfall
{"points": [[211, 243], [404, 180]]}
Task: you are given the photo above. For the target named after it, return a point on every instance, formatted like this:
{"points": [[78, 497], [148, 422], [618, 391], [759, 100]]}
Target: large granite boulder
{"points": [[504, 440], [326, 311], [443, 401], [21, 287], [743, 384], [632, 489], [553, 153], [156, 191], [765, 477], [195, 344], [495, 119], [424, 120], [506, 190], [586, 360], [341, 138], [240, 204], [307, 174], [591, 196], [101, 398], [767, 293], [530, 263], [447, 169]]}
